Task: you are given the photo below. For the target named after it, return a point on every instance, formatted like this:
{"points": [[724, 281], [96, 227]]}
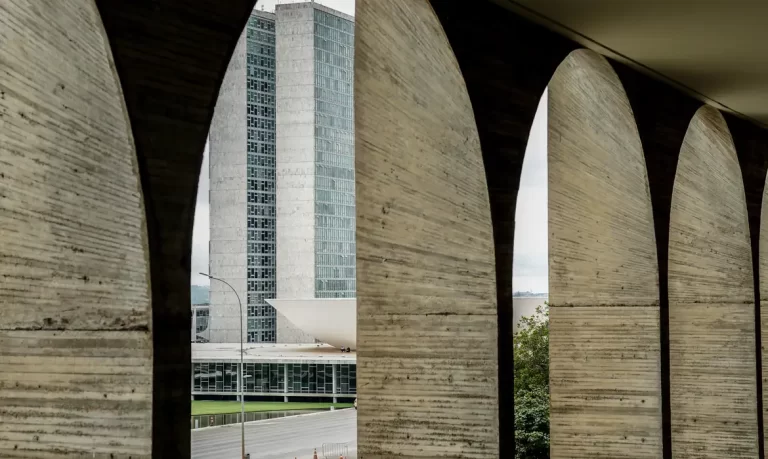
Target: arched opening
{"points": [[530, 286], [275, 240]]}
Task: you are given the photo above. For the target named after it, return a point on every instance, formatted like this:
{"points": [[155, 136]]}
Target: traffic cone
{"points": [[314, 456]]}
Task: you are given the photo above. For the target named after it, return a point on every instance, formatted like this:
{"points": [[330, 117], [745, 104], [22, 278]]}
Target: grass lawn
{"points": [[218, 407]]}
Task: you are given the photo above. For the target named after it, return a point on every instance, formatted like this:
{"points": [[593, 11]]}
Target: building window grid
{"points": [[261, 106], [347, 378], [310, 378], [215, 377], [334, 157], [264, 377], [303, 378]]}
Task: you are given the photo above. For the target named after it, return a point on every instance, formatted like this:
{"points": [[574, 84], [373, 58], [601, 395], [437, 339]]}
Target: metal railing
{"points": [[335, 450]]}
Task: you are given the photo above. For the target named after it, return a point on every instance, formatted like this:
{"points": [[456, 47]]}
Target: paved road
{"points": [[283, 438]]}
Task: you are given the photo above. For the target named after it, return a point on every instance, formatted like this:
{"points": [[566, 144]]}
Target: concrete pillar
{"points": [[426, 285], [713, 380], [335, 382], [73, 243], [603, 275], [285, 382]]}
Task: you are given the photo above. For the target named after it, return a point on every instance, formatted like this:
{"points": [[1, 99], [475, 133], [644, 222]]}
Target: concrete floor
{"points": [[283, 438]]}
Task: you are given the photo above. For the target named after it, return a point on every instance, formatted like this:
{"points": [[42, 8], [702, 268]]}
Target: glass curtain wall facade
{"points": [[269, 378], [260, 48], [334, 157]]}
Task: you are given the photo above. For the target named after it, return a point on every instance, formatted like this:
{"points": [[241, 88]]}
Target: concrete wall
{"points": [[75, 338], [228, 201], [295, 118], [426, 298], [605, 381], [711, 299]]}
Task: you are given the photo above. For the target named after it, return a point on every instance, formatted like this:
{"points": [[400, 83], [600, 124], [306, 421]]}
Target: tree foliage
{"points": [[531, 345]]}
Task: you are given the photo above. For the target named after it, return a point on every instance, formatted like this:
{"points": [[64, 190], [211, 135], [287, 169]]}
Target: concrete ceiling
{"points": [[716, 49]]}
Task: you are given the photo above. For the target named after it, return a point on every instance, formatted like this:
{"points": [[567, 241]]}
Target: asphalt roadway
{"points": [[282, 438]]}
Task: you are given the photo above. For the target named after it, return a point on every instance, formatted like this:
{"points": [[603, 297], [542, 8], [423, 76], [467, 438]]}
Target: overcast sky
{"points": [[530, 268], [530, 264]]}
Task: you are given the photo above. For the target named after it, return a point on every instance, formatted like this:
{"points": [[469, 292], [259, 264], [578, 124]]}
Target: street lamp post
{"points": [[242, 367]]}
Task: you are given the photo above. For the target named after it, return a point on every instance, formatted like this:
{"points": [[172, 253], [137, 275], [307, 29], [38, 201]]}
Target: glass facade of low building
{"points": [[220, 378], [260, 50], [201, 332], [334, 156]]}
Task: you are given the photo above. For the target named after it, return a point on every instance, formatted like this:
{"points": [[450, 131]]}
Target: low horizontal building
{"points": [[273, 370]]}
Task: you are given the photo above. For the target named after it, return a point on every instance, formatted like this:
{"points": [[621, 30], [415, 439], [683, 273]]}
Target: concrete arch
{"points": [[711, 299], [605, 381], [427, 352], [75, 340], [763, 287]]}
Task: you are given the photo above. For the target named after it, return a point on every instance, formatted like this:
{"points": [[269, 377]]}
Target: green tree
{"points": [[532, 424], [531, 344]]}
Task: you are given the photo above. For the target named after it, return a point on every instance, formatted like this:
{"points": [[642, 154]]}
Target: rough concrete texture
{"points": [[171, 57], [605, 380], [75, 347], [295, 161], [427, 359], [711, 300], [763, 289], [228, 198], [505, 96]]}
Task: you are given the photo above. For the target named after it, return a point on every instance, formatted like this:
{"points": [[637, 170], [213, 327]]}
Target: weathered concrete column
{"points": [[75, 338], [711, 300], [605, 381], [426, 295]]}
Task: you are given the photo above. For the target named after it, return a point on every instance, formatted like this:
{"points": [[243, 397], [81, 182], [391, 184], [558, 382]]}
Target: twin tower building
{"points": [[282, 172]]}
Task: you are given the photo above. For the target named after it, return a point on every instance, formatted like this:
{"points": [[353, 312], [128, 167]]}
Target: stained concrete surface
{"points": [[605, 382], [294, 436], [711, 300], [426, 285]]}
